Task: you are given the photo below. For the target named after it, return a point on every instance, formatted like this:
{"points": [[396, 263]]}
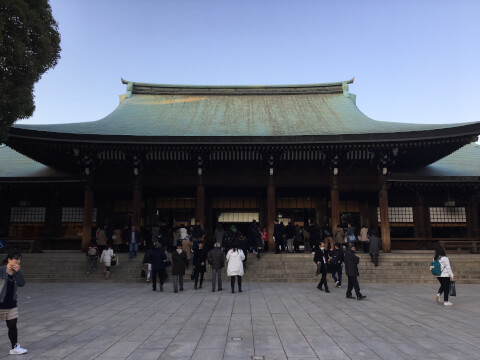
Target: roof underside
{"points": [[168, 111]]}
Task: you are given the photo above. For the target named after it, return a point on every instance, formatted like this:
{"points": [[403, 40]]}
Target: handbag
{"points": [[167, 263], [114, 260], [453, 289], [142, 273]]}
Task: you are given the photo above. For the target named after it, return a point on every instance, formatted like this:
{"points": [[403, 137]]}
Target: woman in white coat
{"points": [[235, 257], [106, 258], [445, 277]]}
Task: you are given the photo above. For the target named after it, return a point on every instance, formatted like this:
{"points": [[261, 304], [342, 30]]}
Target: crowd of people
{"points": [[332, 250]]}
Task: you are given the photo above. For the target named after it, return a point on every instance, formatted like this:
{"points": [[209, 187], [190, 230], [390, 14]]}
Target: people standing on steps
{"points": [[321, 259], [351, 269], [187, 244], [446, 276], [106, 259], [157, 258], [12, 276], [215, 258], [92, 253], [197, 234], [179, 264], [133, 239], [219, 232], [374, 246], [101, 236], [235, 257], [339, 237], [199, 264], [364, 239]]}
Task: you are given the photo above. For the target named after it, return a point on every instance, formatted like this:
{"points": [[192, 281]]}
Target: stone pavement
{"points": [[269, 320]]}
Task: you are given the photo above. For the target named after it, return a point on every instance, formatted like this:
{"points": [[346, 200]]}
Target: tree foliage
{"points": [[29, 46]]}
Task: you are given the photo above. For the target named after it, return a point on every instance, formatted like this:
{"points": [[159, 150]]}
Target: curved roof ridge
{"points": [[337, 83]]}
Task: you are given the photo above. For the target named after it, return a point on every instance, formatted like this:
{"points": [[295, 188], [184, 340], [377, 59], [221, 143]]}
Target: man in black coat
{"points": [[157, 257], [216, 259], [321, 259], [351, 269], [278, 232], [199, 263]]}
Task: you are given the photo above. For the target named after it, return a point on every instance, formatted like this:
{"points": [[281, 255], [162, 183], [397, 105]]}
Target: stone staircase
{"points": [[397, 267]]}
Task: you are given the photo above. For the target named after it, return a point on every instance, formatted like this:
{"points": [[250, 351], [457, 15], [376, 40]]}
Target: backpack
{"points": [[92, 251], [436, 268], [335, 258]]}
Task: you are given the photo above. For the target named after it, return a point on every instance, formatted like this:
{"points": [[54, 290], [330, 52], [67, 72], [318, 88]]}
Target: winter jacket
{"points": [[215, 258], [179, 262], [199, 257], [18, 280], [235, 262], [322, 257], [351, 263], [339, 236], [187, 247], [106, 257], [363, 234], [375, 245], [445, 266], [157, 256]]}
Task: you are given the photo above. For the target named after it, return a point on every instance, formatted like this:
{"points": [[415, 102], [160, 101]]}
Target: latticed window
{"points": [[398, 214], [27, 214], [448, 215], [75, 215], [238, 217]]}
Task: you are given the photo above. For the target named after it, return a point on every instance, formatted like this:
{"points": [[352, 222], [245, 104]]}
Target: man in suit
{"points": [[321, 259], [133, 239], [351, 268]]}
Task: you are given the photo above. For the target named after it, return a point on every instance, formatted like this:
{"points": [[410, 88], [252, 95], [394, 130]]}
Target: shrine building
{"points": [[231, 154]]}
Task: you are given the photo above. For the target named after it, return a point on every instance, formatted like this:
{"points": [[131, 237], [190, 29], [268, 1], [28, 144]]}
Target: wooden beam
{"points": [[87, 217], [271, 210], [384, 222]]}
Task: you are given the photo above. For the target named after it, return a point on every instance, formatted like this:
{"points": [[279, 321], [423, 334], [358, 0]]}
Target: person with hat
{"points": [[179, 263], [199, 263]]}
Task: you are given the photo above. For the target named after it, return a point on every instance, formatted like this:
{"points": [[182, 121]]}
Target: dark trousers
{"points": [[323, 281], [195, 276], [374, 259], [161, 275], [444, 287], [353, 284], [215, 273], [339, 273], [232, 282]]}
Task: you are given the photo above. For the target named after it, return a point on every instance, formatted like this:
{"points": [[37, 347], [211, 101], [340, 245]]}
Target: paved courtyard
{"points": [[269, 320]]}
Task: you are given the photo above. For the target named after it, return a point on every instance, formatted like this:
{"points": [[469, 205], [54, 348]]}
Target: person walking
{"points": [[199, 264], [321, 259], [446, 276], [179, 263], [336, 264], [235, 257], [157, 258], [351, 268], [216, 260], [147, 262], [12, 276], [102, 237], [106, 259], [374, 246]]}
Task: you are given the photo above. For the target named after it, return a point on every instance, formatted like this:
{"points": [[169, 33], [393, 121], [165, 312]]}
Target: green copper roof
{"points": [[461, 164], [248, 111], [14, 165]]}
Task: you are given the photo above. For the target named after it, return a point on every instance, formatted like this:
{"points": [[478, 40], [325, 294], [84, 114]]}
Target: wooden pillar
{"points": [[200, 202], [384, 222], [271, 213], [87, 216], [473, 227], [334, 203], [137, 203]]}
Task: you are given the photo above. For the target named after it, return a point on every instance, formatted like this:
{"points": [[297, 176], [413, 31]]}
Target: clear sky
{"points": [[413, 60]]}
